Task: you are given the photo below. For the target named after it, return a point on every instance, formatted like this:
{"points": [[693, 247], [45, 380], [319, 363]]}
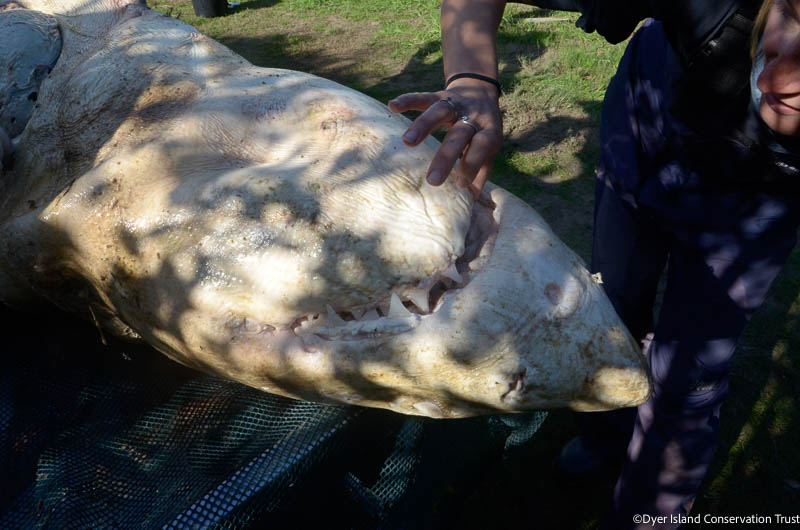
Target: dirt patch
{"points": [[555, 152], [332, 48], [347, 53]]}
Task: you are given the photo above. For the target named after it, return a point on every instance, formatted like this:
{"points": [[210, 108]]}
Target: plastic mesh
{"points": [[118, 436]]}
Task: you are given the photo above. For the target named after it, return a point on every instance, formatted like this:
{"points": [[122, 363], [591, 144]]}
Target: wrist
{"points": [[475, 80]]}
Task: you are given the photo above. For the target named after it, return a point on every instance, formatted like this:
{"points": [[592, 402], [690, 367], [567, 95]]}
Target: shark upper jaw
{"points": [[398, 311]]}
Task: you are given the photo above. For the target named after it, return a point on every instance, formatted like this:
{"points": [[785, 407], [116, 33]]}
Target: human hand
{"points": [[476, 141]]}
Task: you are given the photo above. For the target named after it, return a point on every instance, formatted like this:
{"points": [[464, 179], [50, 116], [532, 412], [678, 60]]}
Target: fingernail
{"points": [[410, 137], [435, 178]]}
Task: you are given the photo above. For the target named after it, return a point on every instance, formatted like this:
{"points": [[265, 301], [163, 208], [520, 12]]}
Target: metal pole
{"points": [[210, 8]]}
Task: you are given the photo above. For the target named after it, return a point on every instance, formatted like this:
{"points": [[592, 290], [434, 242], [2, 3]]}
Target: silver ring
{"points": [[453, 106], [465, 119]]}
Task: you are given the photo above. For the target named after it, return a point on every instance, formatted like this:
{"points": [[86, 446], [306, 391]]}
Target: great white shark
{"points": [[270, 227]]}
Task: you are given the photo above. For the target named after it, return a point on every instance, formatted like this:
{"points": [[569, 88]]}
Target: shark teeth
{"points": [[309, 323], [419, 297], [396, 308], [390, 313], [452, 273], [372, 314], [333, 319]]}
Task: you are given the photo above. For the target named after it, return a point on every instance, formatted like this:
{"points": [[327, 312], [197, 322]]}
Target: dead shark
{"points": [[270, 227]]}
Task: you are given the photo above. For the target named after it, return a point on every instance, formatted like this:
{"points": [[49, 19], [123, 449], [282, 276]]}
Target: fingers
{"points": [[475, 132], [482, 177], [454, 143], [437, 112], [477, 162], [479, 156], [413, 101]]}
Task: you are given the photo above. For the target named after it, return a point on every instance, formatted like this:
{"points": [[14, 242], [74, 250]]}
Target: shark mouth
{"points": [[404, 307]]}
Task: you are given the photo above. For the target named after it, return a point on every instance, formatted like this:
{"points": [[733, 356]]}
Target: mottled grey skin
{"points": [[29, 48], [270, 227]]}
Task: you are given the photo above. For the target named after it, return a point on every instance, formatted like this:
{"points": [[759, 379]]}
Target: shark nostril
{"points": [[553, 293]]}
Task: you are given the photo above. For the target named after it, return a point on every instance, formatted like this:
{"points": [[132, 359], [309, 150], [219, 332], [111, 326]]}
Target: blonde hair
{"points": [[758, 27]]}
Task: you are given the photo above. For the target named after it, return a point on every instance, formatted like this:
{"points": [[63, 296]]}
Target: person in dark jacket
{"points": [[698, 175]]}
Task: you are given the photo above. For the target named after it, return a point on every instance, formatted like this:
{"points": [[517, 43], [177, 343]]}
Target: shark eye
{"points": [[38, 35]]}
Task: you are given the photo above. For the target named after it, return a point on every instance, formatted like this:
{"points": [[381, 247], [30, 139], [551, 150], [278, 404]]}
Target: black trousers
{"points": [[720, 245]]}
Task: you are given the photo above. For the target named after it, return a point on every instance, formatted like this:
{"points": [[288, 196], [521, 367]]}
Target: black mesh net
{"points": [[115, 435]]}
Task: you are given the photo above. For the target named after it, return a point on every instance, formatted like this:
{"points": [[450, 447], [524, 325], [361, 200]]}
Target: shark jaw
{"points": [[507, 328]]}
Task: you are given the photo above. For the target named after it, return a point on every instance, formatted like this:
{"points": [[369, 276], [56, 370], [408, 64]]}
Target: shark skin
{"points": [[269, 226]]}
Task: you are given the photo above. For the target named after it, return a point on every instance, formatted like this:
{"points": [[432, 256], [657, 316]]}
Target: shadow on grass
{"points": [[253, 4], [566, 203]]}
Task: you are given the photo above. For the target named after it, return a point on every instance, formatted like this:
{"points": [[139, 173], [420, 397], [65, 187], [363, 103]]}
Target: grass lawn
{"points": [[554, 76]]}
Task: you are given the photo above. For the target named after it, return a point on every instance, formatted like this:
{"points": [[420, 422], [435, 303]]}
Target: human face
{"points": [[779, 82]]}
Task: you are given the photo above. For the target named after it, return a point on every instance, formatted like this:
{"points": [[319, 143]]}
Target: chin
{"points": [[785, 124]]}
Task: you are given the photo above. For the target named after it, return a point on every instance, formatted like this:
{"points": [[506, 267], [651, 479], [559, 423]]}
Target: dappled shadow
{"points": [[763, 416], [759, 421], [565, 202], [139, 295], [424, 73], [213, 208]]}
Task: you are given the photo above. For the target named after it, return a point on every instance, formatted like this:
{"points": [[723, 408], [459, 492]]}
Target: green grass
{"points": [[554, 77], [578, 72]]}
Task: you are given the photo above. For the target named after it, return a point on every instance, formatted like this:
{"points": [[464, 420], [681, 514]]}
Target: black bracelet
{"points": [[495, 82]]}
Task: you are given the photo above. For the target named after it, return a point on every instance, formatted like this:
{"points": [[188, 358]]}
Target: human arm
{"points": [[469, 44], [469, 31]]}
